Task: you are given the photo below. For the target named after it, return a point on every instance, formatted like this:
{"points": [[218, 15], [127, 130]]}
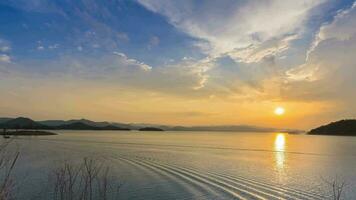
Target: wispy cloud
{"points": [[230, 56], [329, 71], [239, 25], [4, 46], [5, 58]]}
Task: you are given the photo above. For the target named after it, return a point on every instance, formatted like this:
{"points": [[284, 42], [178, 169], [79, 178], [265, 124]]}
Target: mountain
{"points": [[84, 126], [150, 129], [22, 123], [106, 125], [4, 119], [237, 128], [26, 123], [84, 121], [343, 127], [52, 122]]}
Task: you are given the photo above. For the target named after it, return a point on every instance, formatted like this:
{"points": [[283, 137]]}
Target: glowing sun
{"points": [[279, 111]]}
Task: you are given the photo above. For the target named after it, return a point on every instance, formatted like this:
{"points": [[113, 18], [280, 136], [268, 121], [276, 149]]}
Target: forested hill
{"points": [[342, 127]]}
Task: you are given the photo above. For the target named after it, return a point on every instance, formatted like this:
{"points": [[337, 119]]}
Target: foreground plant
{"points": [[335, 188], [7, 164], [88, 180]]}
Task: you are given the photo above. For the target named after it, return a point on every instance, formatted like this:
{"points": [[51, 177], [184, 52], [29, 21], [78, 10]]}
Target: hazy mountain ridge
{"points": [[27, 123], [22, 123], [85, 124]]}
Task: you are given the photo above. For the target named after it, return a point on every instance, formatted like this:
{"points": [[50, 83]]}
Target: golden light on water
{"points": [[279, 142], [279, 155], [279, 111]]}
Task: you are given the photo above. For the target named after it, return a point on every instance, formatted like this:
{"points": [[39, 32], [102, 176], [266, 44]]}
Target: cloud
{"points": [[119, 70], [40, 48], [54, 46], [5, 58], [329, 71], [123, 36], [257, 52], [243, 50], [4, 46], [125, 61], [79, 48], [229, 25]]}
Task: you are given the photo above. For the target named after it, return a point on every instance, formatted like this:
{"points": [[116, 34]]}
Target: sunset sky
{"points": [[190, 62]]}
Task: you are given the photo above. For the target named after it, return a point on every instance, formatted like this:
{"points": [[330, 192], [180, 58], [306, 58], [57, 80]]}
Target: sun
{"points": [[279, 111]]}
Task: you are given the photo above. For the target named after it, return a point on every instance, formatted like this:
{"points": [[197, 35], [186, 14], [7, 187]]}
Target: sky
{"points": [[190, 62]]}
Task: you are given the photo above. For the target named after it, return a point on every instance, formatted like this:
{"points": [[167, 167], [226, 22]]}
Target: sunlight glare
{"points": [[280, 141], [279, 111], [279, 155]]}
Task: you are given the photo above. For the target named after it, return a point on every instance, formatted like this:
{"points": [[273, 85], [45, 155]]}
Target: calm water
{"points": [[198, 165]]}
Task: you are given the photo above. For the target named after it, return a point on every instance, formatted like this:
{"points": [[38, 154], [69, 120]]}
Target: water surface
{"points": [[198, 165]]}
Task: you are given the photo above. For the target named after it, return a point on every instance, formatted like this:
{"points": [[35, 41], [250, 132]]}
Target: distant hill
{"points": [[343, 127], [84, 121], [76, 126], [83, 126], [150, 129], [4, 119], [26, 123], [237, 128], [22, 123], [105, 125]]}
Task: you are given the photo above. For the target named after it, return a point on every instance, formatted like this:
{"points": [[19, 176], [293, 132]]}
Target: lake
{"points": [[196, 165]]}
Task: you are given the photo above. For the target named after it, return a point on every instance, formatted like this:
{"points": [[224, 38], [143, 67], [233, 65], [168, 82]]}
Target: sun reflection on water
{"points": [[280, 142], [279, 155]]}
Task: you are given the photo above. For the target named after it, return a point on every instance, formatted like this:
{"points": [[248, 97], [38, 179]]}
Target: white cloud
{"points": [[5, 48], [234, 24], [124, 60], [255, 53], [40, 48], [123, 36], [252, 34], [332, 49], [117, 70], [342, 28], [55, 46], [79, 48], [5, 58], [329, 71]]}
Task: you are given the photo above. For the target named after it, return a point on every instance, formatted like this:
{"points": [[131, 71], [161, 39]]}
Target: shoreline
{"points": [[27, 133]]}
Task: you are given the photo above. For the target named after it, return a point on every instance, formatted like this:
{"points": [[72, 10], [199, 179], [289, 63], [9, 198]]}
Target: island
{"points": [[345, 127], [150, 129]]}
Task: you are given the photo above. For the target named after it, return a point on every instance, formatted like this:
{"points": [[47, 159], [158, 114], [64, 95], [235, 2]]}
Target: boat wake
{"points": [[212, 185]]}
